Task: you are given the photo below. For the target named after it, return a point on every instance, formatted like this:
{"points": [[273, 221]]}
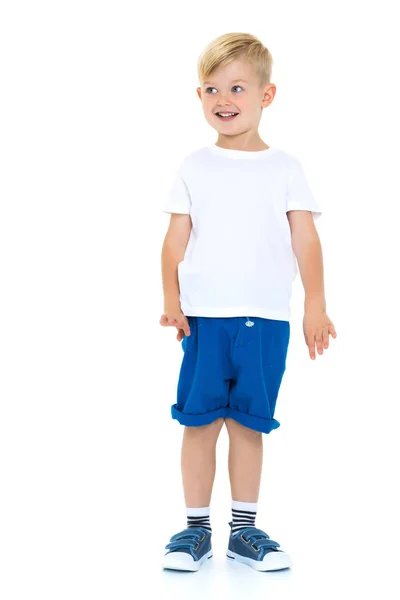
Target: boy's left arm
{"points": [[307, 247]]}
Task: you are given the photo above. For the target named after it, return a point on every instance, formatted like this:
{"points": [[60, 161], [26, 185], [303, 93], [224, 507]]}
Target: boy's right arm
{"points": [[173, 251]]}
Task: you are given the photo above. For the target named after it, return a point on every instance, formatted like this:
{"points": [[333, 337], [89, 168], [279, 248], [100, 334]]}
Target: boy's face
{"points": [[235, 88]]}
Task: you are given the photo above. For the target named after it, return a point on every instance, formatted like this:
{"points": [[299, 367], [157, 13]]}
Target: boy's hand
{"points": [[316, 327], [176, 319]]}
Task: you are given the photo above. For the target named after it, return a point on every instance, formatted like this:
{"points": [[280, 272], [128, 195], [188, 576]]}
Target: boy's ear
{"points": [[269, 94], [198, 90]]}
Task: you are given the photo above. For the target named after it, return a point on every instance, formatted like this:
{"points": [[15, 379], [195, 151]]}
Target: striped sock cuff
{"points": [[243, 515], [199, 517]]}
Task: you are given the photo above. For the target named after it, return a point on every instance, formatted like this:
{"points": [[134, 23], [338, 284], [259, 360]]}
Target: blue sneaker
{"points": [[254, 548], [188, 549]]}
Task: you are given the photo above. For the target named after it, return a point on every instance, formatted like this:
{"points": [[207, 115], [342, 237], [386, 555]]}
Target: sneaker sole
{"points": [[273, 561], [172, 562]]}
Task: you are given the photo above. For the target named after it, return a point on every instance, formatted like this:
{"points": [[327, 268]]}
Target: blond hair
{"points": [[232, 46]]}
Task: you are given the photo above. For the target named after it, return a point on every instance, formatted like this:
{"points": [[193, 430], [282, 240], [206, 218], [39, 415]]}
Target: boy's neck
{"points": [[241, 142]]}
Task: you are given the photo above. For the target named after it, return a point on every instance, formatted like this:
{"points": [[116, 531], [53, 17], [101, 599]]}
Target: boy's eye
{"points": [[213, 88]]}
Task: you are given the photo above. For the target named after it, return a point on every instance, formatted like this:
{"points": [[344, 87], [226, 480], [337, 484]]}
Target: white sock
{"points": [[199, 517], [243, 515]]}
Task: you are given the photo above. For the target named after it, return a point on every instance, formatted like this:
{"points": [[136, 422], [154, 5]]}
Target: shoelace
{"points": [[257, 538], [188, 538]]}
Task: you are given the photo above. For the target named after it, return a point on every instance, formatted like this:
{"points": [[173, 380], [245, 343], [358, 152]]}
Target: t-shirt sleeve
{"points": [[178, 199], [299, 193]]}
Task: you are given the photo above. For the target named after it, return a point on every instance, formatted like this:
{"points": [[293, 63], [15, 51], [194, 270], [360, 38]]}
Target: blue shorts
{"points": [[232, 367]]}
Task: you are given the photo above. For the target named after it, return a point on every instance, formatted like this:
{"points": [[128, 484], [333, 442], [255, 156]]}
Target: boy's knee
{"points": [[236, 428], [208, 430], [216, 425]]}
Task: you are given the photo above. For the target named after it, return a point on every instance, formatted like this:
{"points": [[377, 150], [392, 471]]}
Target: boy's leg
{"points": [[198, 462], [188, 552], [258, 551], [245, 461]]}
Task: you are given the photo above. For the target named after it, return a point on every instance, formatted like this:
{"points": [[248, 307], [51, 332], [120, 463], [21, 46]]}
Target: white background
{"points": [[98, 106]]}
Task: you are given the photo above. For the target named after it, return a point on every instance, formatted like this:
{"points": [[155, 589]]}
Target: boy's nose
{"points": [[224, 107]]}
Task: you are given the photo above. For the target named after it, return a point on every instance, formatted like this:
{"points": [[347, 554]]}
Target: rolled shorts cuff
{"points": [[200, 419], [251, 421]]}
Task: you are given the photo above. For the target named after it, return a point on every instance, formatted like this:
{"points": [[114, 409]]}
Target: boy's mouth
{"points": [[229, 116]]}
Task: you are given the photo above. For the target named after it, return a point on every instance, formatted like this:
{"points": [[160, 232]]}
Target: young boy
{"points": [[241, 213]]}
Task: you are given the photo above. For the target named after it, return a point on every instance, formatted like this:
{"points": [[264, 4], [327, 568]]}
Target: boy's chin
{"points": [[225, 130]]}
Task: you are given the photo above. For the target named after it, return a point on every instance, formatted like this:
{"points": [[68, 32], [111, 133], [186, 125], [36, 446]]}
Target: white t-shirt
{"points": [[239, 260]]}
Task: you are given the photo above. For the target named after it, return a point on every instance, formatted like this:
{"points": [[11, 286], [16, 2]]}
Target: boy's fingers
{"points": [[332, 331], [185, 326], [318, 339], [325, 336], [310, 341], [164, 320], [178, 323]]}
